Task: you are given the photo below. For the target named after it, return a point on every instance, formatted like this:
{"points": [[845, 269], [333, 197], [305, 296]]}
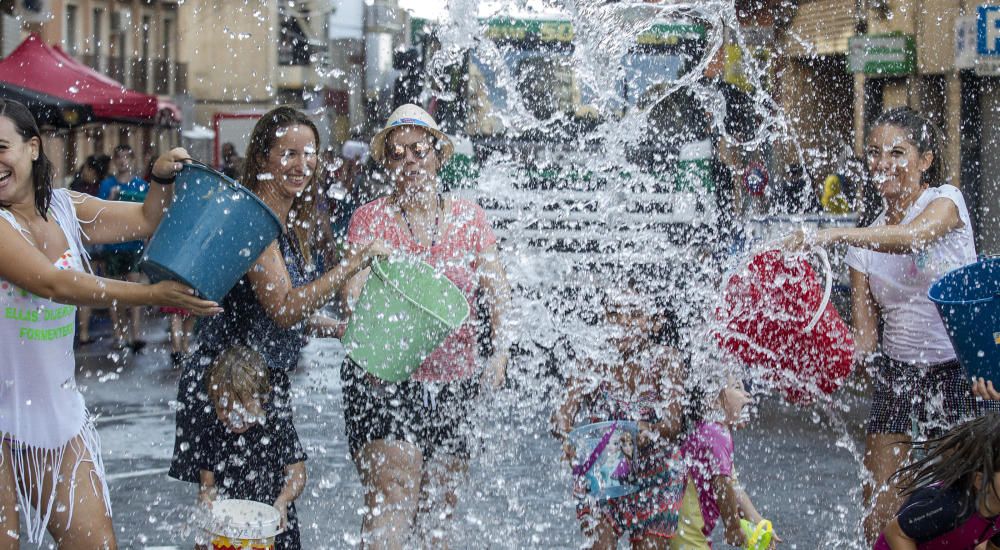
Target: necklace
{"points": [[437, 222]]}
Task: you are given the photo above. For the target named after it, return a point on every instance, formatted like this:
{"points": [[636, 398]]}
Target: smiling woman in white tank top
{"points": [[924, 232], [50, 465]]}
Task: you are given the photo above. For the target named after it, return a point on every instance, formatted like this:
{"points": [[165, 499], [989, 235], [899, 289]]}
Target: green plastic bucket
{"points": [[405, 311]]}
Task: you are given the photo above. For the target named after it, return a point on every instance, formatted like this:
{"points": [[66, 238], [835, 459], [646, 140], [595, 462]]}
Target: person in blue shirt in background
{"points": [[123, 258]]}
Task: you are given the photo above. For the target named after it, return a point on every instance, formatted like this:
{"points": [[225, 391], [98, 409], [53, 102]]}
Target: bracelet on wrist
{"points": [[162, 181]]}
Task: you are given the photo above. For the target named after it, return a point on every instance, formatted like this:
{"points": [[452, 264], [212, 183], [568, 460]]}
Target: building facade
{"points": [[134, 42], [246, 57], [845, 62]]}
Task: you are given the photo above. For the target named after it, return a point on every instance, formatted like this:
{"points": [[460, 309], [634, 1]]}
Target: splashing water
{"points": [[596, 139]]}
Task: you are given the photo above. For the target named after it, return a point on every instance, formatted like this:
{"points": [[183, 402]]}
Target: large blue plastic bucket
{"points": [[211, 234], [968, 300]]}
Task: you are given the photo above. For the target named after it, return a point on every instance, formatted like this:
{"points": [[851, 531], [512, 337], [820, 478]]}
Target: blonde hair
{"points": [[240, 372]]}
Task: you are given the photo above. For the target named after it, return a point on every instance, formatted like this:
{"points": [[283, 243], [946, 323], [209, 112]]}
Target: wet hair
{"points": [[100, 164], [302, 216], [954, 459], [924, 134], [695, 405], [239, 372], [41, 168], [124, 148]]}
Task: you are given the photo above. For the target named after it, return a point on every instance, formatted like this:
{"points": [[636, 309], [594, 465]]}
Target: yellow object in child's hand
{"points": [[759, 536]]}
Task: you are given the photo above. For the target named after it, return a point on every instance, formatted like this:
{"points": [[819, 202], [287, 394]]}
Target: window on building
{"points": [[97, 39], [98, 29], [71, 39], [117, 46], [293, 43], [168, 37], [147, 36]]}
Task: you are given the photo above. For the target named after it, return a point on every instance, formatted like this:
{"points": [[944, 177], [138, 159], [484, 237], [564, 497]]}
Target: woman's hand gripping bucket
{"points": [[776, 316]]}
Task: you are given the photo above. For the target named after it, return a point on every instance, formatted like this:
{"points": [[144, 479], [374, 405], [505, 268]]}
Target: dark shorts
{"points": [[931, 399], [434, 416], [119, 264]]}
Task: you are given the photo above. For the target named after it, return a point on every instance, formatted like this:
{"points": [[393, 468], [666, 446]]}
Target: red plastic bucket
{"points": [[777, 316]]}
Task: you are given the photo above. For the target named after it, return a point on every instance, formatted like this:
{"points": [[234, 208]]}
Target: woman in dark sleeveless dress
{"points": [[270, 307]]}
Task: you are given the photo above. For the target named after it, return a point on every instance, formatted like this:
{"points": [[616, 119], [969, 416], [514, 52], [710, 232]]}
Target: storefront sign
{"points": [[988, 31], [893, 54], [967, 48], [505, 28]]}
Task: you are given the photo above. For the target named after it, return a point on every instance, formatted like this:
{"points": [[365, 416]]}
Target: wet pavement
{"points": [[799, 465]]}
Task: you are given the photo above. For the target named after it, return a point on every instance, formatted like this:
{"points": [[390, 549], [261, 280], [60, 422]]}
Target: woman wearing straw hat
{"points": [[407, 439]]}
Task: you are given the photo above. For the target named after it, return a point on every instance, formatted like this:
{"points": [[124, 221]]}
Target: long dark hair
{"points": [[41, 168], [924, 134], [302, 217], [954, 459]]}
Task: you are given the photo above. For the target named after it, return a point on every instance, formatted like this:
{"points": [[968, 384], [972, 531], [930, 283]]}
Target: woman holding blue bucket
{"points": [[409, 439], [271, 307], [923, 232], [50, 465]]}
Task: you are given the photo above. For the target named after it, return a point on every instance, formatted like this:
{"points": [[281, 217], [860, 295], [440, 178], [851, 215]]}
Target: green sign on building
{"points": [[893, 54]]}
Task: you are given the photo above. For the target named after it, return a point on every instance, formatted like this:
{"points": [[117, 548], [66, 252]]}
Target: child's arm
{"points": [[206, 494], [206, 489], [896, 538], [728, 498], [670, 388], [295, 483], [734, 504]]}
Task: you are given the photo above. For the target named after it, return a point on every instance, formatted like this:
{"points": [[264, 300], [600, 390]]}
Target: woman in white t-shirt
{"points": [[50, 464], [923, 232]]}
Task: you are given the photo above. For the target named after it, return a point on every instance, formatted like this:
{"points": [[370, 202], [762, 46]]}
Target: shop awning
{"points": [[36, 66], [49, 111]]}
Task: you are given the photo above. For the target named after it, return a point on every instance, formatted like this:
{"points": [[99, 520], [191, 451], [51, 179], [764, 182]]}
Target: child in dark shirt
{"points": [[954, 492], [253, 451]]}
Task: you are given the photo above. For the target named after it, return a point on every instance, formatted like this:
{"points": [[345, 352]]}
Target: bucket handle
{"points": [[201, 164], [827, 291], [377, 270]]}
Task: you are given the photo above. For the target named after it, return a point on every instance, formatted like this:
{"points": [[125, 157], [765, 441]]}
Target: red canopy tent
{"points": [[37, 66], [168, 110]]}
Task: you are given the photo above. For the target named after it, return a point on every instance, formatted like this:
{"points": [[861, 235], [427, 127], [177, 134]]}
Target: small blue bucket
{"points": [[968, 300], [211, 234]]}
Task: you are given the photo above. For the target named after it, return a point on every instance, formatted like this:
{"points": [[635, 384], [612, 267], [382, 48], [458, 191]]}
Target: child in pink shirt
{"points": [[712, 490]]}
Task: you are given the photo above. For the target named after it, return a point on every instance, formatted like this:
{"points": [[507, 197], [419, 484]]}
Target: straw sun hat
{"points": [[411, 115]]}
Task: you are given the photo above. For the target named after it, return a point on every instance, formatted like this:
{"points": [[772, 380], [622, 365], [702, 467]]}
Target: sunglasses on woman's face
{"points": [[397, 152]]}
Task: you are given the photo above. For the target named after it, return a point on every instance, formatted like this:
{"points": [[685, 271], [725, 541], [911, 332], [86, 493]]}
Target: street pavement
{"points": [[801, 466]]}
